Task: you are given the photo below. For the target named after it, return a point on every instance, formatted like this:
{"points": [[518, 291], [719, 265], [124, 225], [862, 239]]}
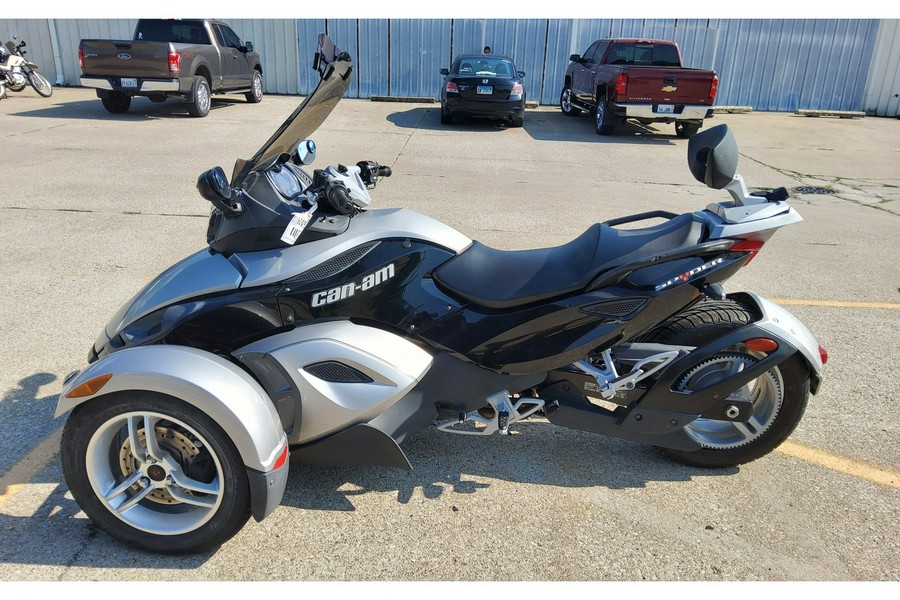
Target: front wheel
{"points": [[40, 84], [779, 396], [256, 88], [565, 103], [154, 472]]}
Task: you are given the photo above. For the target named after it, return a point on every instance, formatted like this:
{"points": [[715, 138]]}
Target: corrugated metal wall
{"points": [[769, 64], [882, 95]]}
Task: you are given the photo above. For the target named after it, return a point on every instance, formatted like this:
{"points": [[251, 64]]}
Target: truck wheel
{"points": [[606, 120], [155, 472], [565, 103], [686, 130], [200, 97], [256, 91], [116, 102]]}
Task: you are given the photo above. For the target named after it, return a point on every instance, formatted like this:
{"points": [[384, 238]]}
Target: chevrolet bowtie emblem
{"points": [[669, 88]]}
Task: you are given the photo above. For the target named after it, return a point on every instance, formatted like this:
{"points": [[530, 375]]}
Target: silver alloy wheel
{"points": [[257, 85], [601, 112], [566, 100], [766, 392], [142, 479], [203, 96]]}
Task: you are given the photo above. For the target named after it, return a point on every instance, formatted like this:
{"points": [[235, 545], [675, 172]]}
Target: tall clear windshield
{"points": [[334, 67]]}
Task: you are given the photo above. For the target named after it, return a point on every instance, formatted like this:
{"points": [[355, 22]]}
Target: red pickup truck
{"points": [[618, 79]]}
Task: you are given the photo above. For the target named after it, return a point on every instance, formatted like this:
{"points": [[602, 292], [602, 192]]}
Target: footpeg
{"points": [[505, 413]]}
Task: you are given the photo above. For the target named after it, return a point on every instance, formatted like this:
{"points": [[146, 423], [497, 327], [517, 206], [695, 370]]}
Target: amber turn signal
{"points": [[89, 387]]}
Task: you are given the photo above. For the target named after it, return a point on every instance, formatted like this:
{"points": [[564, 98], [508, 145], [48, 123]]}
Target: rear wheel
{"points": [[605, 122], [779, 396], [686, 130], [446, 117], [154, 472], [200, 97], [116, 102]]}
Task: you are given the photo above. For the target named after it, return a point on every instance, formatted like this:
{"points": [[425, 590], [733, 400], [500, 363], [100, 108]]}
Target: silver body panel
{"points": [[779, 321], [146, 86], [394, 365], [645, 111], [231, 397], [199, 273], [272, 266]]}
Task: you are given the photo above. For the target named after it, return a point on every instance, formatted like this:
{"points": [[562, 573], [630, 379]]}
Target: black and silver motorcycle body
{"points": [[16, 72], [317, 329]]}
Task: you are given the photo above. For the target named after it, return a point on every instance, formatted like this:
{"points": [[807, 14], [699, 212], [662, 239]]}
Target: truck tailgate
{"points": [[126, 58], [672, 86]]}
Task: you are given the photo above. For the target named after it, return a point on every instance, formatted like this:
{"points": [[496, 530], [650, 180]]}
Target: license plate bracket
{"points": [[486, 90], [128, 82], [666, 109]]}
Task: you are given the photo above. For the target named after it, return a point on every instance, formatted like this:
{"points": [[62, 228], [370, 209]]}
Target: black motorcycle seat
{"points": [[506, 279]]}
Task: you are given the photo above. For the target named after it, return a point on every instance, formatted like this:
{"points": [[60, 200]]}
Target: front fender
{"points": [[213, 385]]}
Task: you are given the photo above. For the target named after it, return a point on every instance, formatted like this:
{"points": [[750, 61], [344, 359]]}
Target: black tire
{"points": [[565, 103], [40, 84], [446, 117], [201, 97], [255, 94], [517, 122], [96, 449], [702, 323], [686, 130], [116, 102], [605, 120]]}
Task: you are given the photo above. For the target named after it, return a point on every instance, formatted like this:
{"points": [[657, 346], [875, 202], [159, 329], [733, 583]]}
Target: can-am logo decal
{"points": [[336, 294], [689, 274]]}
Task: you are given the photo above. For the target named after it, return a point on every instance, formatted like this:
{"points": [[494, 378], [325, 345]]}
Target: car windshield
{"points": [[481, 65], [334, 67]]}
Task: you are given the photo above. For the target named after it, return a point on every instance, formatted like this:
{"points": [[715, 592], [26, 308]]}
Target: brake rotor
{"points": [[179, 446]]}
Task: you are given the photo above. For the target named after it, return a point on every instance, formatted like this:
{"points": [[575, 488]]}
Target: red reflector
{"points": [[621, 84], [281, 459], [823, 355], [761, 345], [451, 87], [174, 62], [714, 87], [751, 246]]}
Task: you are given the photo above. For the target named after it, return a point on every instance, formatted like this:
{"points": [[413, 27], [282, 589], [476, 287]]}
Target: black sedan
{"points": [[483, 85]]}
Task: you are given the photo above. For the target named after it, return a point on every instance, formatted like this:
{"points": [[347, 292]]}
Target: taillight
{"points": [[714, 87], [174, 62], [751, 246], [81, 59], [518, 89], [451, 87], [621, 84]]}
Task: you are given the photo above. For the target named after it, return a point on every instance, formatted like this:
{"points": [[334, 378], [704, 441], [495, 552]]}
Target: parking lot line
{"points": [[836, 303], [31, 464], [841, 464]]}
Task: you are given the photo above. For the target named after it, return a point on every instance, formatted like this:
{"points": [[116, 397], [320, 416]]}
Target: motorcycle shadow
{"points": [[537, 453]]}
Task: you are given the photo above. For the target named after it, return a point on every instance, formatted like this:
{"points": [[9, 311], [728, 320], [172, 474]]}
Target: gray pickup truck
{"points": [[171, 58]]}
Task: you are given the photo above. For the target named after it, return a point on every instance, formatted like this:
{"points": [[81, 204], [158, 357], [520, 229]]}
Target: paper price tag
{"points": [[298, 223]]}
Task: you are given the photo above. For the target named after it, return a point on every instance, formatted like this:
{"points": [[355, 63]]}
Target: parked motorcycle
{"points": [[16, 72], [316, 328]]}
